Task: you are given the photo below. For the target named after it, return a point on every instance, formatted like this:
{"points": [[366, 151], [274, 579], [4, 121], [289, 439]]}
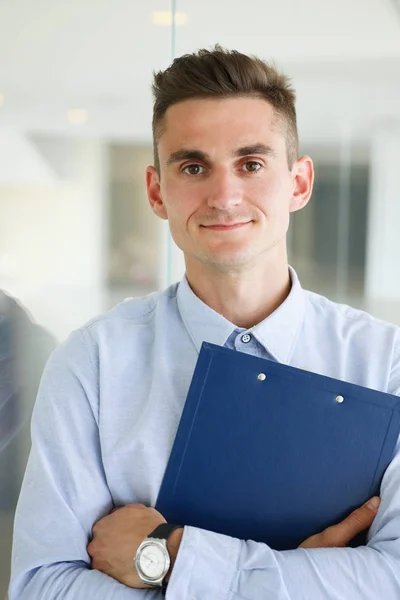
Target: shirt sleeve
{"points": [[210, 565], [64, 491]]}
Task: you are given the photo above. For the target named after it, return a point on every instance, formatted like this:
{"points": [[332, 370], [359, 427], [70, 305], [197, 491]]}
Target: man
{"points": [[226, 176], [24, 349]]}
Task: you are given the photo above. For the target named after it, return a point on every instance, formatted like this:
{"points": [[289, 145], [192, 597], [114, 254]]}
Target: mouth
{"points": [[227, 227]]}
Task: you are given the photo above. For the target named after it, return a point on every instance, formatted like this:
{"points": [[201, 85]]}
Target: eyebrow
{"points": [[193, 154]]}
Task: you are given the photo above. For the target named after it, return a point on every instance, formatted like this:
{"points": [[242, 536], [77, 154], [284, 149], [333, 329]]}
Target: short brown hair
{"points": [[221, 73]]}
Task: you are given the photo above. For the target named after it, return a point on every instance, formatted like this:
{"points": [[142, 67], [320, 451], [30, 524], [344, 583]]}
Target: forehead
{"points": [[220, 124]]}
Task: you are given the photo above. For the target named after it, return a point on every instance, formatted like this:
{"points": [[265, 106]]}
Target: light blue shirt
{"points": [[104, 424]]}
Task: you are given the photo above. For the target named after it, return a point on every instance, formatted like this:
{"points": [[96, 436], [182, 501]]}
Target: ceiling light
{"points": [[2, 99], [77, 116], [164, 18]]}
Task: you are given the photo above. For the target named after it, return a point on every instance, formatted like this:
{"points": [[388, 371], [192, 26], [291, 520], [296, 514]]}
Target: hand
{"points": [[116, 538], [340, 535]]}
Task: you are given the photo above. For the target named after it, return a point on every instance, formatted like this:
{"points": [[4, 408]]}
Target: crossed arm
{"points": [[117, 536]]}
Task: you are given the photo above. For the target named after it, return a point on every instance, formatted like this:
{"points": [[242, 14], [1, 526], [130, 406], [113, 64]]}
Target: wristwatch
{"points": [[152, 560]]}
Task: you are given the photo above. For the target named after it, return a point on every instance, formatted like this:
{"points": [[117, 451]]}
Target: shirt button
{"points": [[246, 338]]}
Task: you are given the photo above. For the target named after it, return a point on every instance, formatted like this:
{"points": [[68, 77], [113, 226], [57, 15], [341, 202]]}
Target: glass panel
{"points": [[76, 232], [319, 232], [134, 241]]}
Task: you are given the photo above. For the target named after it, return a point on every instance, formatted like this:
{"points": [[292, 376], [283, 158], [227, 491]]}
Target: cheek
{"points": [[275, 195], [180, 202]]}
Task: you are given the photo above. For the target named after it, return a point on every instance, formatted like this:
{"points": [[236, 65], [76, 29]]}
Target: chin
{"points": [[228, 261]]}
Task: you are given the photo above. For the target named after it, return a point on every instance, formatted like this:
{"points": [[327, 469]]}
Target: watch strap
{"points": [[163, 531]]}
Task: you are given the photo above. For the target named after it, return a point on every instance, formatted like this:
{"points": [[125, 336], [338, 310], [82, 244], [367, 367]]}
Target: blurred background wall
{"points": [[76, 233]]}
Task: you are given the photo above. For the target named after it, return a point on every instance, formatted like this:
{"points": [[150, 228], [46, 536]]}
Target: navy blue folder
{"points": [[273, 453]]}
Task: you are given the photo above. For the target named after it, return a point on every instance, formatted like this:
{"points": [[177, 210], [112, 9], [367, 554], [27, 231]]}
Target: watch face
{"points": [[152, 561]]}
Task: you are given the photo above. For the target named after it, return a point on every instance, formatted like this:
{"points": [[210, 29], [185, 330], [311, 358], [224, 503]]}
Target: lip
{"points": [[226, 227]]}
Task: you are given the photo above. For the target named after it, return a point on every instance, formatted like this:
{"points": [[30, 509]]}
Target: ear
{"points": [[154, 193], [303, 179]]}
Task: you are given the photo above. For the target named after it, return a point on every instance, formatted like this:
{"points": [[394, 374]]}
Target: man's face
{"points": [[225, 185]]}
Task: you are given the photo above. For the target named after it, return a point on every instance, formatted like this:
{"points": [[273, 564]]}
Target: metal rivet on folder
{"points": [[339, 399], [262, 377]]}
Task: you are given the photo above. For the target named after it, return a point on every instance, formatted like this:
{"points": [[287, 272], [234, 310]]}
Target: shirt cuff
{"points": [[205, 565]]}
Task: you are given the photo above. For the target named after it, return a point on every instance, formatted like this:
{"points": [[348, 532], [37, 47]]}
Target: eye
{"points": [[251, 166], [194, 170]]}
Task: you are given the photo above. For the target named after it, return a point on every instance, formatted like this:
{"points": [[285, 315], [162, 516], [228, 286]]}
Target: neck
{"points": [[243, 298]]}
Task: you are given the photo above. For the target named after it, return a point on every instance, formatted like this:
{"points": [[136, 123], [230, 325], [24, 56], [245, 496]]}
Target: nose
{"points": [[225, 191]]}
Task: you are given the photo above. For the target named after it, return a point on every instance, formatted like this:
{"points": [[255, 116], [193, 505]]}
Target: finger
{"points": [[359, 520]]}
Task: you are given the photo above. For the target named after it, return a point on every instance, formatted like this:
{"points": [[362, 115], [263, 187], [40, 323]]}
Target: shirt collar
{"points": [[202, 322], [277, 333]]}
